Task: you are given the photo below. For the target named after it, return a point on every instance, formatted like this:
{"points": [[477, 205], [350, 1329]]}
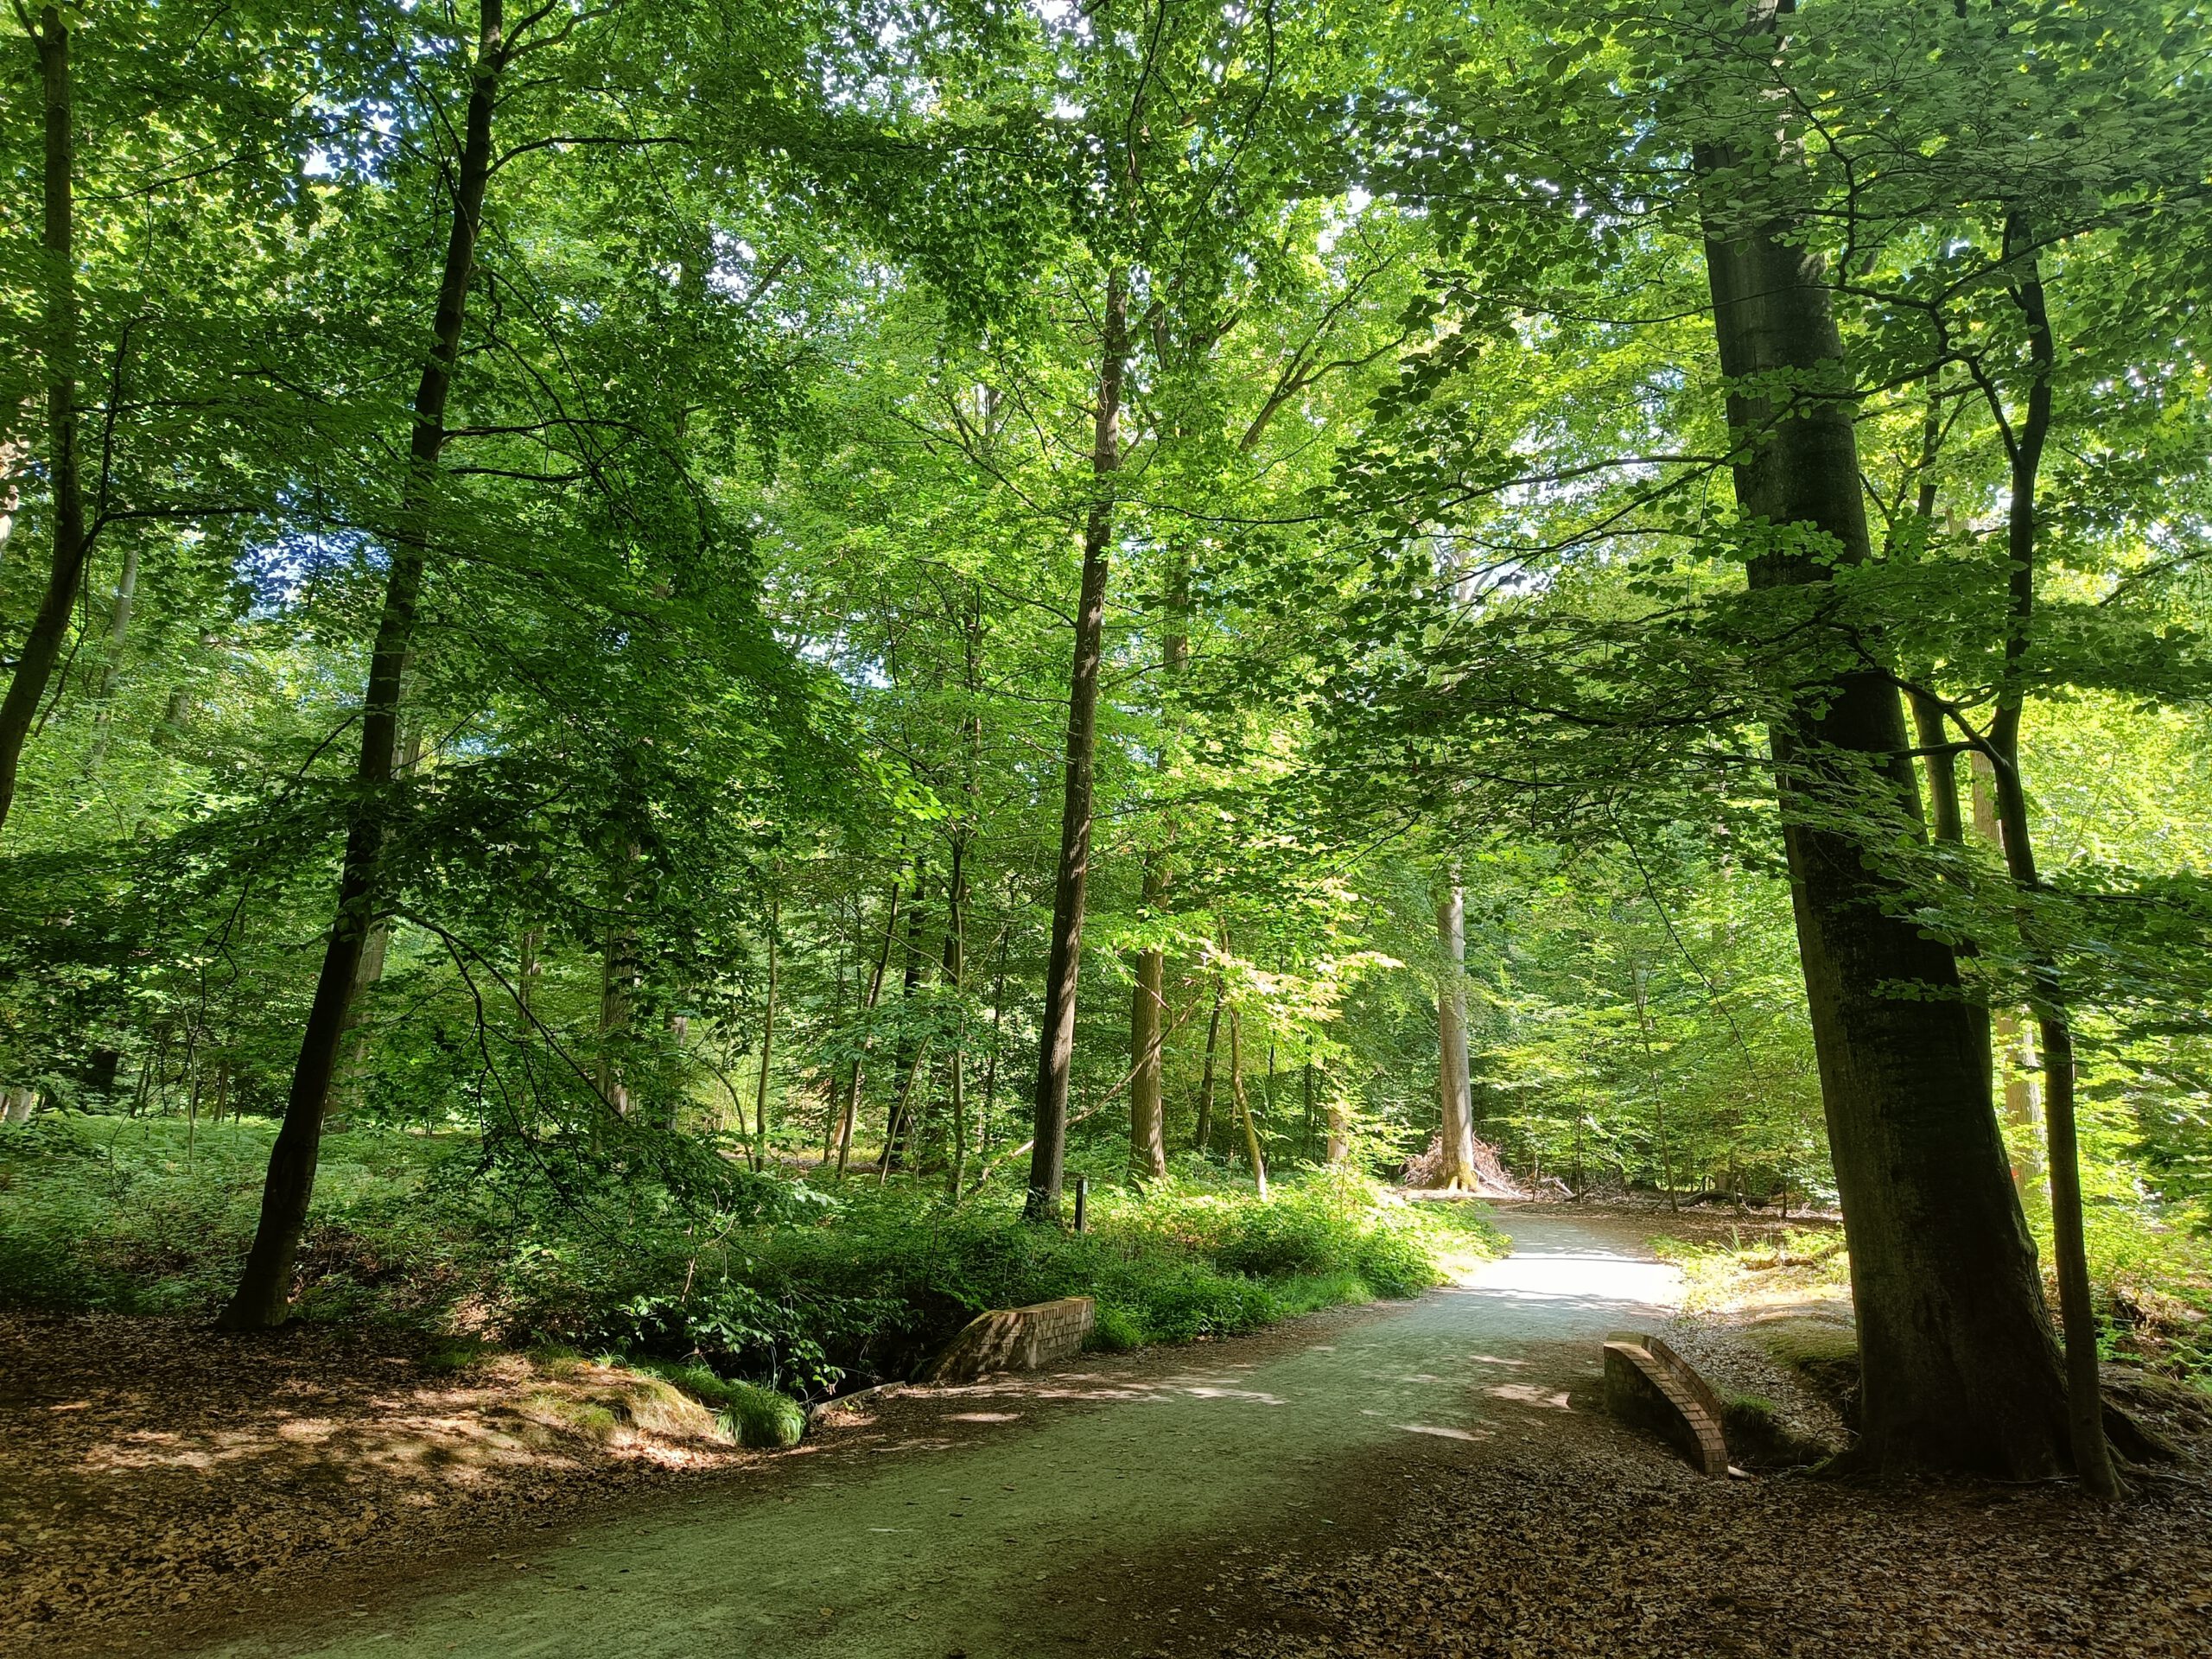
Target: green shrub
{"points": [[792, 1287]]}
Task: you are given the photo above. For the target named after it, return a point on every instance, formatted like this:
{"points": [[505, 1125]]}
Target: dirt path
{"points": [[1048, 1514]]}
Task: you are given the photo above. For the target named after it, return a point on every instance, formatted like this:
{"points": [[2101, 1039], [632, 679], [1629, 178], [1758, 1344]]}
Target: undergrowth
{"points": [[800, 1289], [2150, 1273]]}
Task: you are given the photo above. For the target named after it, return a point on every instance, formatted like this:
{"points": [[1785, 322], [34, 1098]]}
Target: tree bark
{"points": [[1149, 1001], [895, 1128], [1147, 1015], [1202, 1131], [1456, 1111], [2054, 1021], [767, 1049], [954, 967], [868, 1006], [1958, 1365], [118, 635], [1252, 1148], [41, 646], [262, 1300], [1056, 1043]]}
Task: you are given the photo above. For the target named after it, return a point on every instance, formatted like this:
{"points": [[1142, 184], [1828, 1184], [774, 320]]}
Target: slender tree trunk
{"points": [[2054, 1022], [829, 1094], [2013, 1050], [768, 1048], [998, 1010], [955, 968], [1252, 1149], [1657, 1085], [896, 1128], [41, 646], [119, 636], [12, 457], [1056, 1043], [263, 1296], [1149, 1001], [1147, 1015], [355, 1041], [1456, 1114], [617, 974], [868, 1006], [1958, 1365], [1202, 1137], [527, 967]]}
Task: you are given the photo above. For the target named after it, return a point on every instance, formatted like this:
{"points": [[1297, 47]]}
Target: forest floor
{"points": [[1410, 1479]]}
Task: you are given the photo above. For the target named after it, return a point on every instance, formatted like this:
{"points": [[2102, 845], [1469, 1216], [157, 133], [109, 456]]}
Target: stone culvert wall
{"points": [[1014, 1340]]}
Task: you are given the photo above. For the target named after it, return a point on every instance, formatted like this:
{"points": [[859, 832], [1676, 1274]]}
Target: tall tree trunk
{"points": [[868, 1006], [896, 1126], [1252, 1147], [767, 1048], [1644, 1026], [1148, 1018], [119, 636], [2054, 1021], [955, 966], [955, 970], [2011, 1044], [1958, 1365], [1456, 1106], [355, 1041], [527, 967], [618, 978], [42, 647], [998, 1011], [1149, 1000], [12, 457], [1056, 1042], [264, 1292], [1201, 1135]]}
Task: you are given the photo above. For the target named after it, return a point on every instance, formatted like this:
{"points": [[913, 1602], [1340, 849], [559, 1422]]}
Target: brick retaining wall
{"points": [[1015, 1339]]}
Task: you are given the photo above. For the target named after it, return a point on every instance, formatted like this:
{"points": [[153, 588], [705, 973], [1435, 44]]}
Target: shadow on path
{"points": [[1017, 1516]]}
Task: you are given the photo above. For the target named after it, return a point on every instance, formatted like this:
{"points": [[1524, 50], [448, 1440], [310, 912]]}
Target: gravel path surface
{"points": [[1431, 1477], [1036, 1538]]}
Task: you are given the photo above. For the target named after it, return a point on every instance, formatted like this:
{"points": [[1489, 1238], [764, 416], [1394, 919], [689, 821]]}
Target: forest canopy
{"points": [[671, 616]]}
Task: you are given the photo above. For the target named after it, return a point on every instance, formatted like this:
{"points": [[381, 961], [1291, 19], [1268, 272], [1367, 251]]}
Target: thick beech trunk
{"points": [[41, 646], [1056, 1043], [1959, 1368], [1456, 1110], [263, 1297]]}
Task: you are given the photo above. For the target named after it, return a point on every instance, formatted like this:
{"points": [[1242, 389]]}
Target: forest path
{"points": [[1094, 1500]]}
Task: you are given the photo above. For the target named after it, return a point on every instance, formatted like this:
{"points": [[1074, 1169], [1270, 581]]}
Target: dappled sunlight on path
{"points": [[990, 1526]]}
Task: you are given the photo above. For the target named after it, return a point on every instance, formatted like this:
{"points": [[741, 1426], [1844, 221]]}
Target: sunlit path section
{"points": [[983, 1547]]}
